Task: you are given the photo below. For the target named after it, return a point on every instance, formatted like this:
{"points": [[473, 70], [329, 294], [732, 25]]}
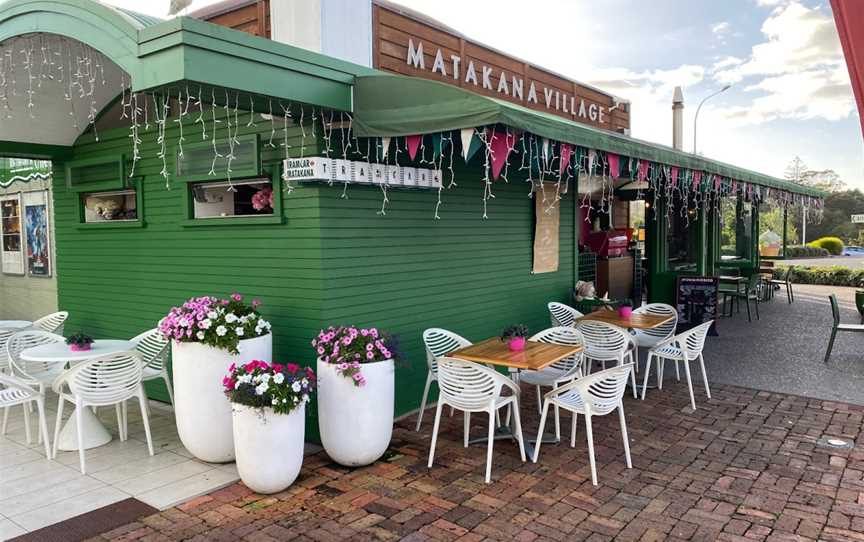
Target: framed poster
{"points": [[11, 249], [696, 302], [547, 211], [36, 234]]}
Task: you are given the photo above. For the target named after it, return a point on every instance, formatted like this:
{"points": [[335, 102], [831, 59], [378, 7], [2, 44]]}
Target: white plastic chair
{"points": [[103, 381], [5, 333], [471, 387], [594, 395], [15, 392], [605, 342], [684, 347], [52, 323], [439, 342], [153, 347], [561, 371], [562, 315], [648, 338]]}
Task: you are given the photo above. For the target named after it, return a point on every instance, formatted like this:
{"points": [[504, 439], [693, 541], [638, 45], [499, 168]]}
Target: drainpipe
{"points": [[678, 119]]}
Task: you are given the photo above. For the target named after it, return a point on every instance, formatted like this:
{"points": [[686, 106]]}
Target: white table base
{"points": [[95, 433]]}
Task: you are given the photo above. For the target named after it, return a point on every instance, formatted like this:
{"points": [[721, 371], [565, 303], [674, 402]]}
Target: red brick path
{"points": [[745, 467]]}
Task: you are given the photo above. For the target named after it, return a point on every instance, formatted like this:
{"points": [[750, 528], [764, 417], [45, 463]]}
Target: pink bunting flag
{"points": [[566, 153], [643, 170], [716, 182], [413, 143], [697, 178], [734, 186], [501, 146], [614, 165], [674, 176]]}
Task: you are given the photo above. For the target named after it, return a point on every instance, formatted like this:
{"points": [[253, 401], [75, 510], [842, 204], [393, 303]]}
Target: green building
{"points": [[169, 142]]}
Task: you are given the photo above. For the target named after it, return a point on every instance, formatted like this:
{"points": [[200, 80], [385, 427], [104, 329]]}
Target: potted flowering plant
{"points": [[208, 334], [79, 342], [356, 383], [515, 337], [269, 421], [625, 309]]}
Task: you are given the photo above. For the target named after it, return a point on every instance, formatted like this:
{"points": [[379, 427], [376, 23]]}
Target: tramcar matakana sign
{"points": [[858, 219]]}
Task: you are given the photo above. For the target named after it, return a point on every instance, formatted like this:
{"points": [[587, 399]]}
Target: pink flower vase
{"points": [[516, 344], [625, 311], [79, 347]]}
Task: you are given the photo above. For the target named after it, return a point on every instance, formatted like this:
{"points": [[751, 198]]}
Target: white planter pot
{"points": [[201, 409], [269, 447], [356, 422]]}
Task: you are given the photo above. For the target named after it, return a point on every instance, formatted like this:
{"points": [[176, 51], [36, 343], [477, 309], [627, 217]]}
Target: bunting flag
{"points": [[614, 165], [545, 153], [642, 173], [674, 176], [413, 143], [697, 178], [501, 145], [470, 143], [385, 146], [566, 153], [716, 183], [437, 145]]}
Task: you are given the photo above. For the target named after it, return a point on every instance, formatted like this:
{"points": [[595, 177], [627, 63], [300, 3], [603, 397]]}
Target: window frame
{"points": [[119, 183], [255, 171], [134, 184], [271, 171]]}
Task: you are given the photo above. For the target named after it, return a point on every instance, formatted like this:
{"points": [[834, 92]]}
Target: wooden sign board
{"points": [[409, 43], [547, 212], [696, 301]]}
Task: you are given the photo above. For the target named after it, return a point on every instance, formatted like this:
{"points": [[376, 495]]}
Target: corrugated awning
{"points": [[394, 105]]}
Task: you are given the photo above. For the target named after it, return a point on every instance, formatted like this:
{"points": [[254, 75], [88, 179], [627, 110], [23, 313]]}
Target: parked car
{"points": [[853, 251]]}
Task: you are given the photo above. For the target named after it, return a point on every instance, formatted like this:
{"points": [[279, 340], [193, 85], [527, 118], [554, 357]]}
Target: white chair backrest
{"points": [[603, 341], [603, 390], [692, 341], [567, 336], [52, 323], [440, 342], [466, 385], [104, 380], [5, 333], [663, 331], [23, 340], [153, 347], [562, 315]]}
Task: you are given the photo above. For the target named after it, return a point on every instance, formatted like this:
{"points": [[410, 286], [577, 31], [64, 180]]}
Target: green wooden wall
{"points": [[333, 260]]}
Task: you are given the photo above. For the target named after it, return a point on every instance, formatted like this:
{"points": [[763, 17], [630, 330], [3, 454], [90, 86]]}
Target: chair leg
{"points": [[647, 372], [624, 436], [661, 370], [677, 372], [704, 376], [689, 383], [519, 436], [747, 302], [168, 386], [27, 422], [119, 412], [539, 399], [489, 448], [830, 344], [573, 429], [435, 432], [5, 420], [58, 424], [466, 430], [540, 431], [590, 435], [557, 418], [79, 418], [791, 292], [43, 426], [145, 417], [756, 301], [423, 400]]}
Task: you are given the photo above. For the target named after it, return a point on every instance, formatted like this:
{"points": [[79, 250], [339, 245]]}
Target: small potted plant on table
{"points": [[79, 342], [356, 387], [625, 309], [515, 336], [269, 406]]}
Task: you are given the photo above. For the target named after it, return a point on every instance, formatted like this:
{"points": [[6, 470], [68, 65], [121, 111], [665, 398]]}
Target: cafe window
{"points": [[10, 230], [736, 229], [110, 206], [682, 240], [221, 199]]}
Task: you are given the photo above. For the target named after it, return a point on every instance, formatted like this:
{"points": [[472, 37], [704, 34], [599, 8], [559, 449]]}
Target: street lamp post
{"points": [[699, 107]]}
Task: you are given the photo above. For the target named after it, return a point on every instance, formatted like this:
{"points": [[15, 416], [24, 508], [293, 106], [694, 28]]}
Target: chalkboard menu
{"points": [[696, 302]]}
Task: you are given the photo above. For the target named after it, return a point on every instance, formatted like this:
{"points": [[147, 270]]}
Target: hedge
{"points": [[835, 275], [833, 245], [806, 252]]}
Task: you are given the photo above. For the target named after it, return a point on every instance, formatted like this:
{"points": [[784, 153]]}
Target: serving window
{"points": [[110, 206], [220, 199]]}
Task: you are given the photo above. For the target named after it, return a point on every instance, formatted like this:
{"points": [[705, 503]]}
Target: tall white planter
{"points": [[269, 447], [202, 411], [356, 422]]}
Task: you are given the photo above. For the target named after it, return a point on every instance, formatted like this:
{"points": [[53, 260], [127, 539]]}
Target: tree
{"points": [[796, 169], [826, 179], [837, 219]]}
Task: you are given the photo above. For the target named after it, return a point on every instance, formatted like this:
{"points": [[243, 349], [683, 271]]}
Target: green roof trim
{"points": [[395, 105]]}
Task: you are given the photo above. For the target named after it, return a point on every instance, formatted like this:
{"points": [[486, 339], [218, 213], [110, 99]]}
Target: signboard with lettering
{"points": [[408, 43], [858, 219], [320, 168], [696, 302]]}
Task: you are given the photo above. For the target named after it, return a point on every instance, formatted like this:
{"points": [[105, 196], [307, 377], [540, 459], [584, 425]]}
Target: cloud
{"points": [[797, 72], [720, 28]]}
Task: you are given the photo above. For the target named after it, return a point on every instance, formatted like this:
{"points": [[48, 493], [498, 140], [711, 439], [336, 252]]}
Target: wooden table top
{"points": [[636, 321], [536, 355]]}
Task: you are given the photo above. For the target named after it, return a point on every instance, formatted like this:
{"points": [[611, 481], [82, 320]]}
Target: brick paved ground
{"points": [[745, 466]]}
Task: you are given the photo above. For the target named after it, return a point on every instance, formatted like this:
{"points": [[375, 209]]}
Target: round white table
{"points": [[95, 433], [15, 324]]}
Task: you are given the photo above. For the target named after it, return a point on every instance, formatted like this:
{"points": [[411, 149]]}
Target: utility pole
{"points": [[794, 171]]}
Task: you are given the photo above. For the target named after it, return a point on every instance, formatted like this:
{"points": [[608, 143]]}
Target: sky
{"points": [[790, 92]]}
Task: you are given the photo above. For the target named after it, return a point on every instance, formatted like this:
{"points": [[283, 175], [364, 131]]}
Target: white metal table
{"points": [[15, 324], [95, 433]]}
